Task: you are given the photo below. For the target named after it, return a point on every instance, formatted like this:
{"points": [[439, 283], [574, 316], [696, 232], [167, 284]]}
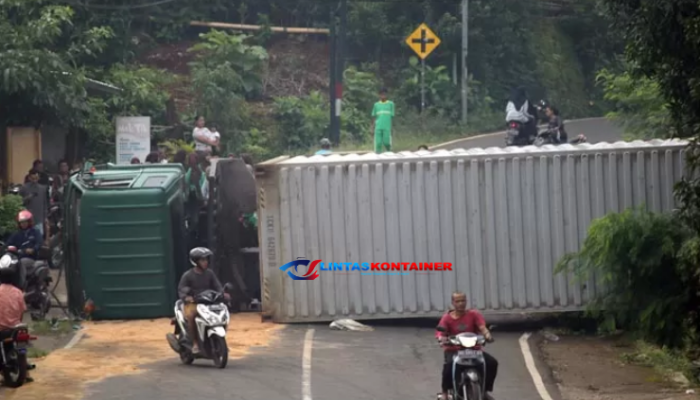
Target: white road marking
{"points": [[532, 368], [306, 365], [75, 339]]}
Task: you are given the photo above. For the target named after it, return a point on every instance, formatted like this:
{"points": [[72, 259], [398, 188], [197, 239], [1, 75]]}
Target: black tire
{"points": [[219, 351], [186, 357], [472, 391], [16, 376]]}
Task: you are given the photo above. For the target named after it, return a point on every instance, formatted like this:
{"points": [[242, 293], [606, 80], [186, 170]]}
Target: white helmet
{"points": [[198, 253]]}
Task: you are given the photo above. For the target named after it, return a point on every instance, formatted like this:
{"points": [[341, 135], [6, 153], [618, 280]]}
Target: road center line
{"points": [[306, 365], [532, 368]]}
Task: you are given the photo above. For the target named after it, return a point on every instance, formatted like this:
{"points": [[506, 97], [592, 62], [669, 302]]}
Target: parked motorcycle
{"points": [[212, 321], [13, 355], [468, 366], [36, 286], [543, 138]]}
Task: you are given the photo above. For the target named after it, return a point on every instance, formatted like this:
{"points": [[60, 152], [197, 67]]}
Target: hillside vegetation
{"points": [[267, 92]]}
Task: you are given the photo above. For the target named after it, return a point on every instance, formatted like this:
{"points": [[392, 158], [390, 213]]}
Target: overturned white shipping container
{"points": [[502, 217]]}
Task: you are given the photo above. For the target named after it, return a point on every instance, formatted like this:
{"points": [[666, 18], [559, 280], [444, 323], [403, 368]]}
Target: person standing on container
{"points": [[382, 115], [204, 139]]}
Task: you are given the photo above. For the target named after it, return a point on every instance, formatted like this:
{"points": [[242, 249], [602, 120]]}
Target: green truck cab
{"points": [[125, 240]]}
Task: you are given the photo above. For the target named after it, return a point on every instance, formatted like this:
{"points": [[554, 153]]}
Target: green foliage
{"points": [[663, 43], [41, 80], [441, 94], [646, 263], [302, 121], [637, 105], [226, 64], [10, 205], [142, 94], [226, 72], [171, 147]]}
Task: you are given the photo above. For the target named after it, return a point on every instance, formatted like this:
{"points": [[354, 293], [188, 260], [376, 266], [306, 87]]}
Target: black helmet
{"points": [[198, 253]]}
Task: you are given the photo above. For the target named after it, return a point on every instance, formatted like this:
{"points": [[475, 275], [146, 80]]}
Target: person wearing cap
{"points": [[325, 147]]}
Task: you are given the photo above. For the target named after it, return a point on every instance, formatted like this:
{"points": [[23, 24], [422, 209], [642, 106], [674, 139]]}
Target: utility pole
{"points": [[465, 51], [334, 123], [340, 67]]}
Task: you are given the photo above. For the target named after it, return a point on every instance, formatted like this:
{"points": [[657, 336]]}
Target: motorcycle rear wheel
{"points": [[15, 374], [219, 351]]}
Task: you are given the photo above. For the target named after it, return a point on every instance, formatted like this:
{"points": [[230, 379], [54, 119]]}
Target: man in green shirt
{"points": [[382, 114]]}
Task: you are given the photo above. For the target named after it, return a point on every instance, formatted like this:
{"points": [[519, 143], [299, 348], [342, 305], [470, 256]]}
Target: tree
{"points": [[41, 80], [663, 42]]}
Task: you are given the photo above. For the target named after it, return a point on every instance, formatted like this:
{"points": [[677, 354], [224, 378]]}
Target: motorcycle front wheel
{"points": [[219, 351], [15, 372], [472, 391]]}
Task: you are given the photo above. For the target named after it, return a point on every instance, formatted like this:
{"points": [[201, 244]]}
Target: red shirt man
{"points": [[462, 320], [12, 306]]}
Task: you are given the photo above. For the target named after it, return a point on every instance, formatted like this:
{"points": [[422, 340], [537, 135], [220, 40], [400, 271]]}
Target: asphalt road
{"points": [[393, 363], [595, 129]]}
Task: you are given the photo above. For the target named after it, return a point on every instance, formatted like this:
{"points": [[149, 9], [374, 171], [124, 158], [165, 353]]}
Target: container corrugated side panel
{"points": [[503, 221], [124, 240]]}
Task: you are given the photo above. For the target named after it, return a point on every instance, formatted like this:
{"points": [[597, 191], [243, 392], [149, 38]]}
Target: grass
{"points": [[414, 131], [35, 352], [665, 362], [46, 328]]}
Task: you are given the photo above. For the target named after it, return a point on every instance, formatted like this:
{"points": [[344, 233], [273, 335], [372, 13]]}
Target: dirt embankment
{"points": [[592, 368], [121, 348]]}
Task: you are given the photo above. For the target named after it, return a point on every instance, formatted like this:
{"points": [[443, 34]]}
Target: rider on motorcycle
{"points": [[521, 110], [196, 280], [460, 320], [28, 242], [12, 305], [555, 126]]}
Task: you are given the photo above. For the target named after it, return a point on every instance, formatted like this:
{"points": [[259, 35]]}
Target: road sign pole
{"points": [[422, 41], [422, 85], [465, 50]]}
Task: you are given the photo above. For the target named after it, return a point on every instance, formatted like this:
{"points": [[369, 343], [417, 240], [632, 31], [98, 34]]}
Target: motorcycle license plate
{"points": [[469, 353], [216, 307]]}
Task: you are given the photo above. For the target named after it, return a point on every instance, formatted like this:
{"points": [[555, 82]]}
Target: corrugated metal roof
{"points": [[490, 151]]}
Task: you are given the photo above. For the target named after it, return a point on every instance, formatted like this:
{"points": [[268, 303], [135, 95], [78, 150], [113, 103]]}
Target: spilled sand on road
{"points": [[114, 348]]}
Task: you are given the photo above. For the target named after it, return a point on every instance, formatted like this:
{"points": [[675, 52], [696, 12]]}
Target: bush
{"points": [[10, 205], [646, 264], [302, 121]]}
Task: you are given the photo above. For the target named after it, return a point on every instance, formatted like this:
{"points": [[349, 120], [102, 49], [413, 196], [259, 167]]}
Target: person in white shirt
{"points": [[521, 110], [203, 137]]}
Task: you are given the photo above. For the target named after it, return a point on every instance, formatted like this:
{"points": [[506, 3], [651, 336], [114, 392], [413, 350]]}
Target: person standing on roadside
{"points": [[60, 180], [204, 139], [35, 197], [382, 115]]}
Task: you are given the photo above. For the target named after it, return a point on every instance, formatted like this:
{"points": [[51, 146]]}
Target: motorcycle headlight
{"points": [[5, 261]]}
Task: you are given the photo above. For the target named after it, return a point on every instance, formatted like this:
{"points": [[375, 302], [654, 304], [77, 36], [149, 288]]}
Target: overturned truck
{"points": [[230, 234]]}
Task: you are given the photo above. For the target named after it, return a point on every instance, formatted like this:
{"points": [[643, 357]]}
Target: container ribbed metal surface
{"points": [[502, 216]]}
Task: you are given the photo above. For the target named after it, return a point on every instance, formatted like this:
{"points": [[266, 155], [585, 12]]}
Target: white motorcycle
{"points": [[212, 321], [468, 366]]}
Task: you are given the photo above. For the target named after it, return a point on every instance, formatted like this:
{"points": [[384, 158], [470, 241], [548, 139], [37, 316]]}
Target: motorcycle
{"points": [[543, 138], [514, 134], [13, 355], [36, 286], [468, 366], [212, 321]]}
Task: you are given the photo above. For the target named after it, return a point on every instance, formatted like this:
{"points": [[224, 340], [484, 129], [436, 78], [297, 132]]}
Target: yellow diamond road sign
{"points": [[423, 41]]}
